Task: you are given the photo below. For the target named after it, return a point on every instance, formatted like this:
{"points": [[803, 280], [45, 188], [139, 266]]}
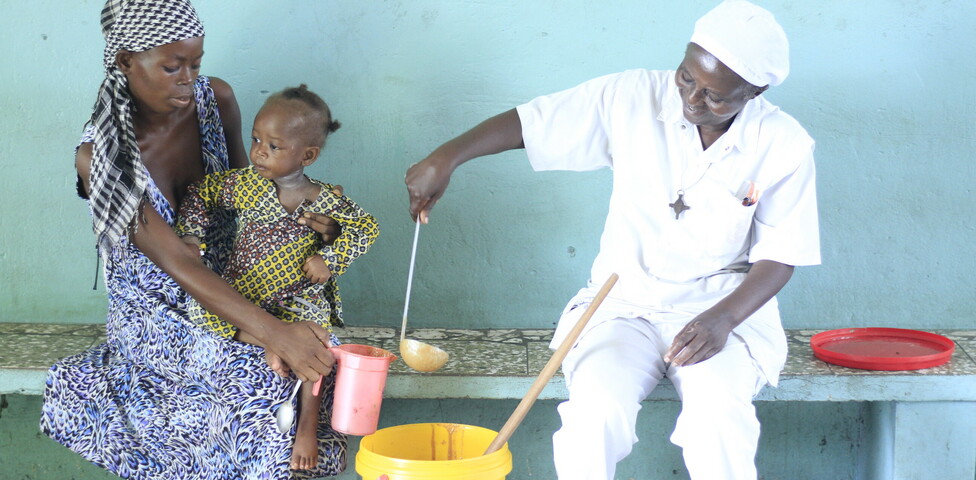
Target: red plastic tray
{"points": [[882, 348]]}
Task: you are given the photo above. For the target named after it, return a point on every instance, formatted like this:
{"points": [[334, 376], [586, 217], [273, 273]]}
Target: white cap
{"points": [[747, 39]]}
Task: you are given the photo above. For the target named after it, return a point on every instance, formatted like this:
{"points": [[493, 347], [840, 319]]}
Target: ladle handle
{"points": [[406, 301], [549, 370]]}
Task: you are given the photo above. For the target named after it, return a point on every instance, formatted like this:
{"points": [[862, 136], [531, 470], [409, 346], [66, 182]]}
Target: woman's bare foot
{"points": [[305, 452]]}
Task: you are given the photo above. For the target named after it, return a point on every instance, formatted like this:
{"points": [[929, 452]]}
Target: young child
{"points": [[276, 262]]}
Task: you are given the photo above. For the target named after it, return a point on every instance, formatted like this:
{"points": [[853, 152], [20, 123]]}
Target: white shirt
{"points": [[633, 122]]}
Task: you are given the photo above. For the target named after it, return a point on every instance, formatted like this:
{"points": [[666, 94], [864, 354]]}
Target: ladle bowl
{"points": [[421, 356]]}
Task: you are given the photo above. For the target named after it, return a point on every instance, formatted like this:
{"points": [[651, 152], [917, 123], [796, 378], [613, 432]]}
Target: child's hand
{"points": [[276, 363], [316, 270]]}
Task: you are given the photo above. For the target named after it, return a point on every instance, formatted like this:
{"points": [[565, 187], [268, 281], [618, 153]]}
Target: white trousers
{"points": [[617, 364]]}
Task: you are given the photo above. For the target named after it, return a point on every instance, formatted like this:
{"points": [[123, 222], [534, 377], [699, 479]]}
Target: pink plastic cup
{"points": [[360, 378]]}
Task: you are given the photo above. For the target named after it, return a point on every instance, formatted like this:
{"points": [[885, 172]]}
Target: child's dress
{"points": [[270, 246], [163, 398]]}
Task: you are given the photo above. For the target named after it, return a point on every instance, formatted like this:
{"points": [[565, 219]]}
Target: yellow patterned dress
{"points": [[270, 246]]}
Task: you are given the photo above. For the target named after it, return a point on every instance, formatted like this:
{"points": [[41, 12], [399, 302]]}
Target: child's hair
{"points": [[318, 115]]}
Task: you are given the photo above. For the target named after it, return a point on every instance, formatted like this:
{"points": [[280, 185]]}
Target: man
{"points": [[713, 205]]}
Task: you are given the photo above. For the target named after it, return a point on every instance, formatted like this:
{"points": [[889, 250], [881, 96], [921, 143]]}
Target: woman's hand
{"points": [[700, 340], [426, 182], [706, 335], [303, 349]]}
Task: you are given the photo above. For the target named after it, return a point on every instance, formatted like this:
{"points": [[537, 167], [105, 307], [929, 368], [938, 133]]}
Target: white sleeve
{"points": [[569, 130], [786, 224]]}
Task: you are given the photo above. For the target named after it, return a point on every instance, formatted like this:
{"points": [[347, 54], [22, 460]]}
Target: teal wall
{"points": [[884, 86]]}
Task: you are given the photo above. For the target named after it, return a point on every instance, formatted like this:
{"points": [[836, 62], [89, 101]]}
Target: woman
{"points": [[713, 204], [161, 398]]}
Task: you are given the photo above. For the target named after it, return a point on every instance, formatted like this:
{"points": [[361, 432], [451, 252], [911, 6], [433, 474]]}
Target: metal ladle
{"points": [[418, 355], [286, 412]]}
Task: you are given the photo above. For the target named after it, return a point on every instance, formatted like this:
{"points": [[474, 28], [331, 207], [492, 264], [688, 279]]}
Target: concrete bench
{"points": [[925, 419]]}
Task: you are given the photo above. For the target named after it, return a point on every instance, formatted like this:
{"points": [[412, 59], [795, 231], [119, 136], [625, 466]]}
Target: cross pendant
{"points": [[679, 205]]}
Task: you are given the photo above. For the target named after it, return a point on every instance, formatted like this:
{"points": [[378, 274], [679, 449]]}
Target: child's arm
{"points": [[314, 267], [359, 231]]}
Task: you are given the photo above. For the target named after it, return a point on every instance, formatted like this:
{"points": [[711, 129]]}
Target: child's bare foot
{"points": [[305, 452]]}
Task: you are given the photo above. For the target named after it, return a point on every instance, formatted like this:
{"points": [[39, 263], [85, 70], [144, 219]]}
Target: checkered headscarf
{"points": [[118, 177]]}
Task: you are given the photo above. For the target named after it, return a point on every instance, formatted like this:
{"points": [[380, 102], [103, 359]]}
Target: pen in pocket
{"points": [[748, 193]]}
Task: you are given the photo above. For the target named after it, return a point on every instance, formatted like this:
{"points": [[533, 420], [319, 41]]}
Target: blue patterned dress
{"points": [[164, 399]]}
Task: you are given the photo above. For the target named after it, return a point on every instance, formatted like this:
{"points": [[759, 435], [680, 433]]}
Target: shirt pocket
{"points": [[727, 225]]}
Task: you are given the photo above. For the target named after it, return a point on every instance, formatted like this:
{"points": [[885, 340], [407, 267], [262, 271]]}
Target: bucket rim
{"points": [[502, 456]]}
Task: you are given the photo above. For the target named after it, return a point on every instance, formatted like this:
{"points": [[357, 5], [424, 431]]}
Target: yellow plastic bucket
{"points": [[426, 451]]}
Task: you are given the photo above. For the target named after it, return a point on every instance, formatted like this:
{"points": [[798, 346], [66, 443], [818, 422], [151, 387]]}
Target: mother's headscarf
{"points": [[118, 177]]}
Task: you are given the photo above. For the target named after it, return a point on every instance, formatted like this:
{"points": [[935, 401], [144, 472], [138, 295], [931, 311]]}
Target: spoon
{"points": [[286, 412], [417, 355]]}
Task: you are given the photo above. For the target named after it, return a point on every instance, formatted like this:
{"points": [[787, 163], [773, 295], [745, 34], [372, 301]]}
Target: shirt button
{"points": [[683, 126]]}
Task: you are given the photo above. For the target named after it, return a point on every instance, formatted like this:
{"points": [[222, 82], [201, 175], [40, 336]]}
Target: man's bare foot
{"points": [[305, 452]]}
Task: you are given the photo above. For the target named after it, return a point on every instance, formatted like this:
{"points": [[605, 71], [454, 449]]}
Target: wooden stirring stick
{"points": [[549, 370]]}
